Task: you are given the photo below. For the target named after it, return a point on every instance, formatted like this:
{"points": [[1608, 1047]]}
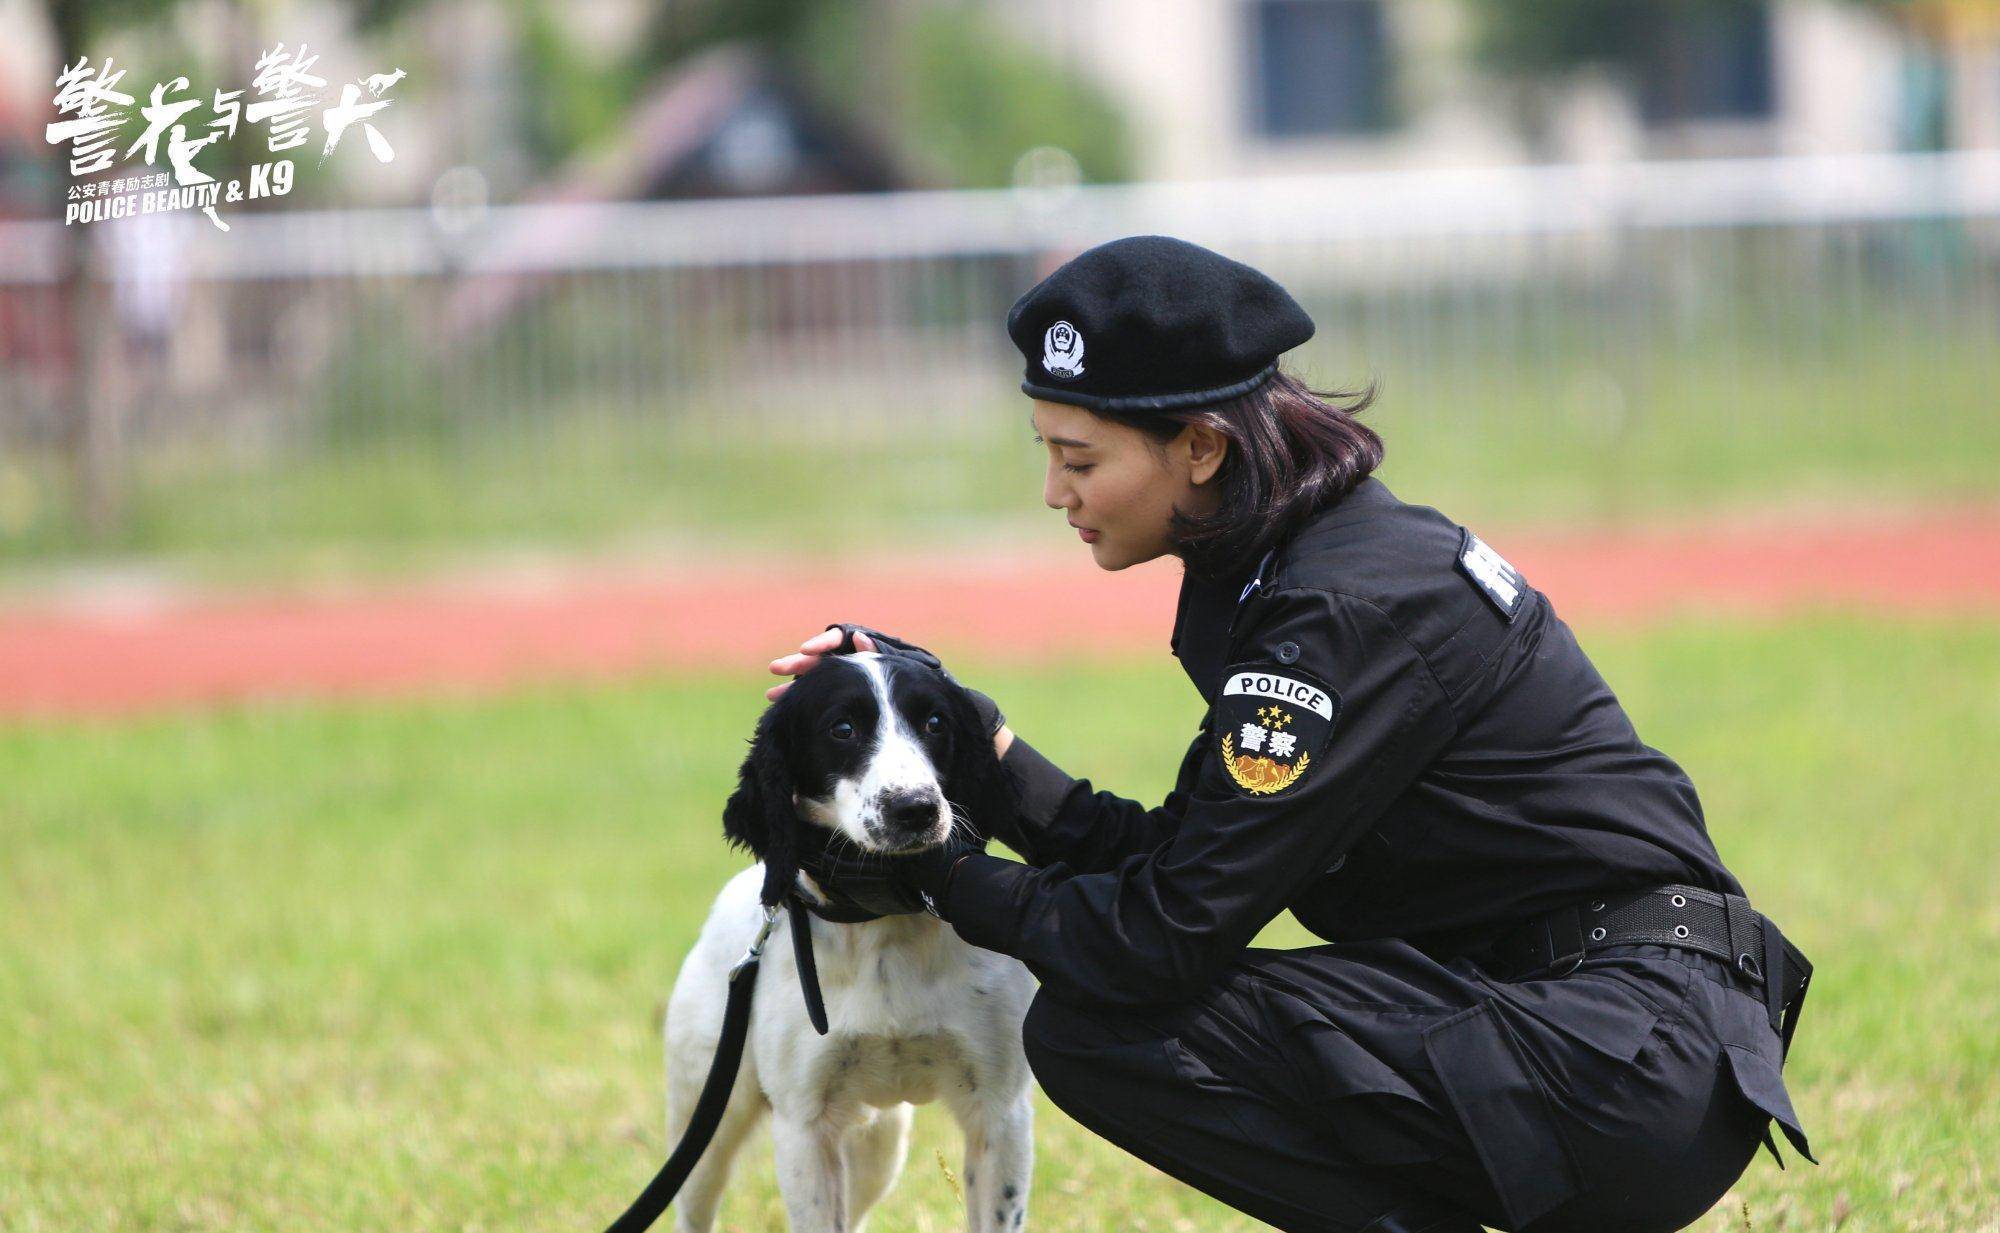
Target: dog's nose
{"points": [[912, 809]]}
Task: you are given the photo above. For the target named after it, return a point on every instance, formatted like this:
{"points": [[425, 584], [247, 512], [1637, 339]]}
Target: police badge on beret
{"points": [[1062, 351], [1271, 723]]}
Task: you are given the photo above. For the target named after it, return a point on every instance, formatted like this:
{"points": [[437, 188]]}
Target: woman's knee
{"points": [[1052, 1033], [1075, 1051]]}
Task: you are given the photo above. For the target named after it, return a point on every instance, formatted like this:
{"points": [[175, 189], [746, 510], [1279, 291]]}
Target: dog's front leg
{"points": [[810, 1174], [999, 1162]]}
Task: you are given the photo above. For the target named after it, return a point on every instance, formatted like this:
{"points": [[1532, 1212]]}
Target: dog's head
{"points": [[874, 751]]}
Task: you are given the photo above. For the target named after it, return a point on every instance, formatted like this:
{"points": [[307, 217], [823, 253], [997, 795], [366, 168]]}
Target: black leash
{"points": [[721, 1080]]}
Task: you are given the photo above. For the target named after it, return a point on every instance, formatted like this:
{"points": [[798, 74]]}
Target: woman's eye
{"points": [[1073, 467], [934, 725], [842, 731]]}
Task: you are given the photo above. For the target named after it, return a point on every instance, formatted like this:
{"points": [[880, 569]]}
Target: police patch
{"points": [[1500, 582], [1062, 351], [1271, 725]]}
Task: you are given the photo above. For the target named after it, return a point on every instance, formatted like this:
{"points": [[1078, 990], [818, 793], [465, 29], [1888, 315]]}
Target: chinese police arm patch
{"points": [[1498, 581], [1272, 723]]}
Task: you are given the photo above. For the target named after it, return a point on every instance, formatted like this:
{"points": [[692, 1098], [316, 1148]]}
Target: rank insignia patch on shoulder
{"points": [[1271, 724], [1500, 582]]}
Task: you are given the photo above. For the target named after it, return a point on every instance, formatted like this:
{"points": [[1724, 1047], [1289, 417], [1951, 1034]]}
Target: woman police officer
{"points": [[1544, 1002]]}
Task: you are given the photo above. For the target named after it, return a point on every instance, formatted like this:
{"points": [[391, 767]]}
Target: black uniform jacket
{"points": [[1403, 740]]}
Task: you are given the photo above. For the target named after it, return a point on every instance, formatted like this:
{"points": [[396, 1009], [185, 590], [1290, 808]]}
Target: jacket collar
{"points": [[1201, 622], [1208, 606]]}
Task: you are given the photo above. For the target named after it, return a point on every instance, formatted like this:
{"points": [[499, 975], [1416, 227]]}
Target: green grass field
{"points": [[399, 966]]}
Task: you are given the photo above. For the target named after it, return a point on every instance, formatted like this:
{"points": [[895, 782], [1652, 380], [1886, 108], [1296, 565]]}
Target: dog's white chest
{"points": [[917, 1017], [885, 1070]]}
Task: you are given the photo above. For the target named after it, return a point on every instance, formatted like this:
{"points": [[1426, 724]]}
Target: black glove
{"points": [[989, 710], [890, 885]]}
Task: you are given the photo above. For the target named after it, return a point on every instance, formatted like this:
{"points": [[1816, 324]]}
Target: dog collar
{"points": [[838, 913]]}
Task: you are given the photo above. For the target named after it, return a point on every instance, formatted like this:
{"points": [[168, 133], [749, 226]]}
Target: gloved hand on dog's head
{"points": [[890, 885], [989, 710]]}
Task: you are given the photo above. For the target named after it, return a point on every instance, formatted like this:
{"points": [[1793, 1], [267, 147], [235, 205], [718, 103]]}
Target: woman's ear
{"points": [[760, 815], [1206, 450]]}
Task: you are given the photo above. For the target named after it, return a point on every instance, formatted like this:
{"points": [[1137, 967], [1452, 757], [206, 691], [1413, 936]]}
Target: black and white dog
{"points": [[885, 754]]}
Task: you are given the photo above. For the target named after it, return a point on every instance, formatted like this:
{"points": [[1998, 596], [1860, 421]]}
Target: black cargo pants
{"points": [[1367, 1086]]}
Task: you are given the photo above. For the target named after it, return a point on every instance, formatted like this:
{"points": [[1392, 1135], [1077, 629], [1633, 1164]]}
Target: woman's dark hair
{"points": [[1297, 451]]}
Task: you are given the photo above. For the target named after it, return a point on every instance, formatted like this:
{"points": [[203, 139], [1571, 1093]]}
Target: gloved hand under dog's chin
{"points": [[890, 885], [888, 644]]}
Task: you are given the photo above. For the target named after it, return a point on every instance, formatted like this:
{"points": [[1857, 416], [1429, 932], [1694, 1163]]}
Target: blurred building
{"points": [[1223, 88]]}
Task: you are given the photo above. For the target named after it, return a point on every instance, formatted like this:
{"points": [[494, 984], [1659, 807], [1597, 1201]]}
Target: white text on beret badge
{"points": [[1062, 351]]}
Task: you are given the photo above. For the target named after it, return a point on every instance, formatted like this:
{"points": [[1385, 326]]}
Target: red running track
{"points": [[102, 657]]}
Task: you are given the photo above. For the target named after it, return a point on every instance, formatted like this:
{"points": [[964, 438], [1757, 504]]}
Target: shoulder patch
{"points": [[1498, 581], [1271, 723]]}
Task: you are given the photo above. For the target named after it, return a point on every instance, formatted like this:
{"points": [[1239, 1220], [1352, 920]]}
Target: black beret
{"points": [[1151, 323]]}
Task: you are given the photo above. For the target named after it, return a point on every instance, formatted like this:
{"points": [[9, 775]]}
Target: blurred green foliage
{"points": [[1552, 36], [573, 101], [971, 95], [1547, 36]]}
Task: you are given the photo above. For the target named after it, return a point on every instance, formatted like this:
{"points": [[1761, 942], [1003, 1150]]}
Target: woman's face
{"points": [[1117, 487]]}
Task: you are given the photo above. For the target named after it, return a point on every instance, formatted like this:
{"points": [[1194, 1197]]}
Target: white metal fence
{"points": [[1737, 299]]}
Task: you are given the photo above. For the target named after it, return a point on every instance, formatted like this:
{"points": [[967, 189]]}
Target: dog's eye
{"points": [[842, 731], [934, 725]]}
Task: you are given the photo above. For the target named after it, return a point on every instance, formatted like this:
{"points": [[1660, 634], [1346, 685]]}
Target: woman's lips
{"points": [[1089, 536]]}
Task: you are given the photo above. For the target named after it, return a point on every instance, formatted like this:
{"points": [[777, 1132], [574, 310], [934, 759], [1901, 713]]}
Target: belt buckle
{"points": [[1744, 939]]}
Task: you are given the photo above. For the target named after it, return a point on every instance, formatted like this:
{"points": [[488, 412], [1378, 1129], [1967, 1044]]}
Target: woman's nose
{"points": [[1055, 494]]}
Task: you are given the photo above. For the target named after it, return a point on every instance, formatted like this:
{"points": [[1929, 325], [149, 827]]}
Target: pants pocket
{"points": [[1355, 1094], [1505, 1111], [1256, 1121], [1763, 1085]]}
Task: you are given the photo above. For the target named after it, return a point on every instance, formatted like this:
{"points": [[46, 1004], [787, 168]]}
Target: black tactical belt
{"points": [[1723, 927]]}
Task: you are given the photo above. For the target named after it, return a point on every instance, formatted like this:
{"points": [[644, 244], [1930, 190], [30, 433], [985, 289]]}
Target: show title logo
{"points": [[285, 96]]}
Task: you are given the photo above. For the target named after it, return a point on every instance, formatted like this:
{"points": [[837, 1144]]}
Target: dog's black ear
{"points": [[975, 783], [759, 815]]}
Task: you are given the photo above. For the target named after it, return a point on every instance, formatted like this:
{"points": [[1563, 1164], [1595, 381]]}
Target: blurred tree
{"points": [[1551, 36], [1533, 43], [977, 99], [578, 99], [1540, 37], [1532, 39], [957, 95]]}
